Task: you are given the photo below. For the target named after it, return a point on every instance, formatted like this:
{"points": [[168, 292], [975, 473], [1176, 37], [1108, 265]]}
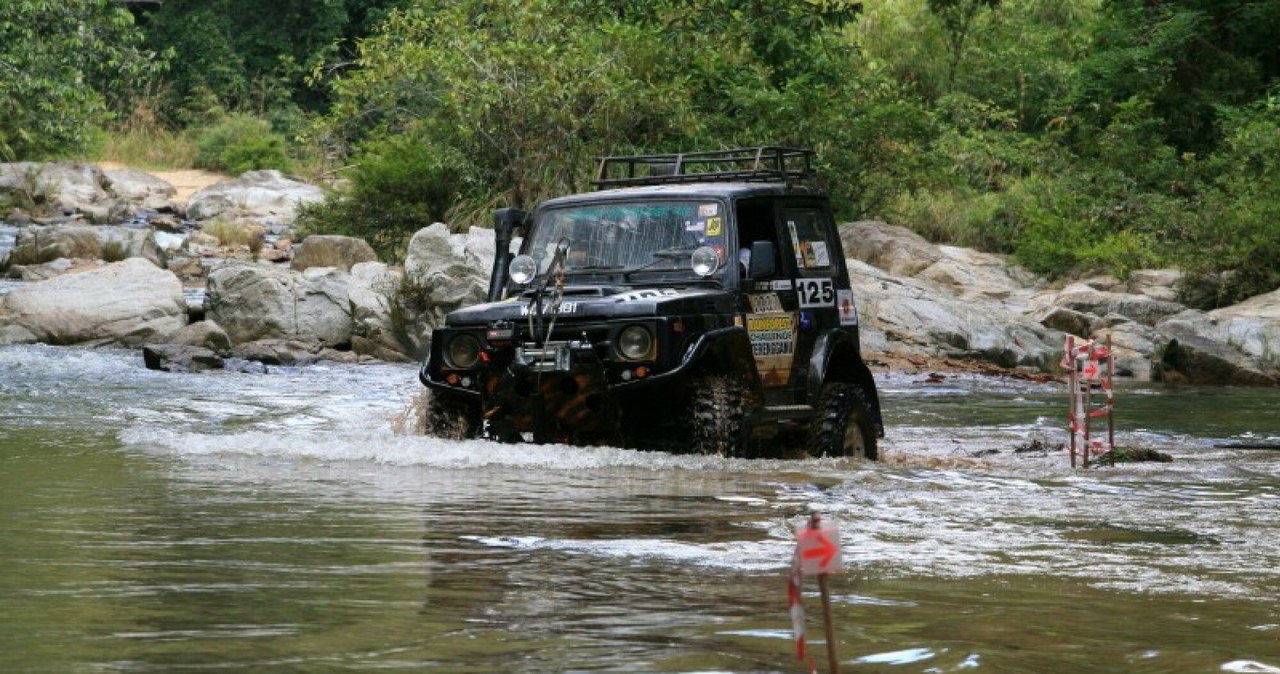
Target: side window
{"points": [[809, 232], [756, 222]]}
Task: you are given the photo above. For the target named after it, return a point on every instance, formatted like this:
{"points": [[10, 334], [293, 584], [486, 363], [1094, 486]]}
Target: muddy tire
{"points": [[843, 426], [452, 418], [717, 413]]}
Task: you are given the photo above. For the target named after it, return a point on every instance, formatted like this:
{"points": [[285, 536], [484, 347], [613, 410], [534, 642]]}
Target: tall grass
{"points": [[145, 141]]}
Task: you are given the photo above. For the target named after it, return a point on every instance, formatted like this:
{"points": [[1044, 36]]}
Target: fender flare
{"points": [[725, 350], [836, 357]]}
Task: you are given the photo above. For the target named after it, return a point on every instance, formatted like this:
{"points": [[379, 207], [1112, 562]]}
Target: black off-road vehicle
{"points": [[694, 302]]}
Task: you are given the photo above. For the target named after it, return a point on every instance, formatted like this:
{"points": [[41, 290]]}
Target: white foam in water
{"points": [[1249, 667]]}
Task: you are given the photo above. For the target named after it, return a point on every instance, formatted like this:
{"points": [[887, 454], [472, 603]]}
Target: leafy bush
{"points": [[399, 185], [242, 143]]}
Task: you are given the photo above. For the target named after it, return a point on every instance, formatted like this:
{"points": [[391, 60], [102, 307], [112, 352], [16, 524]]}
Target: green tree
{"points": [[1185, 58], [61, 66], [254, 55]]}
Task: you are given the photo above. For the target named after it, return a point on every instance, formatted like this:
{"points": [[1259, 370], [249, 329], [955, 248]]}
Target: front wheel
{"points": [[717, 415], [843, 426], [452, 418]]}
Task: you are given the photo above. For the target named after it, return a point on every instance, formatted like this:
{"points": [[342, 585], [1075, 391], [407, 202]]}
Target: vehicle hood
{"points": [[599, 302]]}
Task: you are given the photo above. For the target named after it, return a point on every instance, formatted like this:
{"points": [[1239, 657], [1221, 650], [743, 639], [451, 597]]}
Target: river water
{"points": [[154, 522]]}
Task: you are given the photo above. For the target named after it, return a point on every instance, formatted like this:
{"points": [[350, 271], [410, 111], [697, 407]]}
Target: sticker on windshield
{"points": [[714, 226], [708, 210]]}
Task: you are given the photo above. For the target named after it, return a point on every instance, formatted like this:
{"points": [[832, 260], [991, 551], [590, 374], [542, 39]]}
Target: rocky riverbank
{"points": [[114, 258]]}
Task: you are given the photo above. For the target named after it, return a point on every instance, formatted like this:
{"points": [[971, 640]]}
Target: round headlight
{"points": [[705, 261], [462, 351], [522, 269], [635, 342]]}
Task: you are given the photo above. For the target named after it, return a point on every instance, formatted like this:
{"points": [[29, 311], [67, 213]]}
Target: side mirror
{"points": [[763, 260]]}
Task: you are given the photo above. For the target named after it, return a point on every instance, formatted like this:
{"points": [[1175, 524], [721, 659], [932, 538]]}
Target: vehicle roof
{"points": [[719, 190]]}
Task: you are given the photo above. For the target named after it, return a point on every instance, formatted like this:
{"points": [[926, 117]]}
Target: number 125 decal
{"points": [[816, 292]]}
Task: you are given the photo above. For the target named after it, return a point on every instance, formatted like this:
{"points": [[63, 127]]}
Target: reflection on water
{"points": [[160, 522]]}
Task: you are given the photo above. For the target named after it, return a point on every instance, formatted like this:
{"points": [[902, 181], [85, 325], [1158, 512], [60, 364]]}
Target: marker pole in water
{"points": [[818, 554], [1111, 410], [1073, 384]]}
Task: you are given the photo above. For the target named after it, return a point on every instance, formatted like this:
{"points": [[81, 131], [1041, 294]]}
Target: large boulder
{"points": [[140, 189], [443, 271], [62, 187], [907, 317], [261, 195], [203, 335], [254, 302], [1196, 360], [180, 358], [894, 249], [1100, 303], [974, 275], [328, 250], [375, 331], [86, 242], [127, 303], [1238, 344]]}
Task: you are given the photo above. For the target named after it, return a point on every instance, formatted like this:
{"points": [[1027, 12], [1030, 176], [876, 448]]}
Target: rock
{"points": [[970, 274], [916, 318], [204, 334], [1131, 455], [1158, 284], [61, 187], [278, 352], [1132, 346], [1086, 299], [265, 195], [342, 252], [186, 267], [40, 272], [443, 271], [86, 242], [290, 352], [894, 249], [1067, 320], [374, 330], [128, 303], [1197, 360], [40, 242], [180, 358], [139, 189], [253, 302], [323, 309], [1253, 326]]}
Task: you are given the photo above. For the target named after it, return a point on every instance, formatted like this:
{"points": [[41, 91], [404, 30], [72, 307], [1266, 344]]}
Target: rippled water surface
{"points": [[154, 522]]}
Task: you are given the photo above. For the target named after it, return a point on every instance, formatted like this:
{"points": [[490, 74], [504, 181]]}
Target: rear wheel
{"points": [[452, 418], [843, 426], [717, 414]]}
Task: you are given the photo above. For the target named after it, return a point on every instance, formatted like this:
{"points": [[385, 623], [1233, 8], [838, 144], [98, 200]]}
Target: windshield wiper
{"points": [[674, 253]]}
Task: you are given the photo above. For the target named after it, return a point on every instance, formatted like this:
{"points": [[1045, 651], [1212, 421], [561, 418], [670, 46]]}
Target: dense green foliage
{"points": [[60, 66], [239, 143], [1077, 135]]}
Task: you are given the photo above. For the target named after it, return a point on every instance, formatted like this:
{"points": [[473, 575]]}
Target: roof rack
{"points": [[752, 164]]}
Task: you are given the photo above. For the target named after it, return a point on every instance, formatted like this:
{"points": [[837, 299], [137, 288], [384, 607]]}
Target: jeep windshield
{"points": [[628, 236]]}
